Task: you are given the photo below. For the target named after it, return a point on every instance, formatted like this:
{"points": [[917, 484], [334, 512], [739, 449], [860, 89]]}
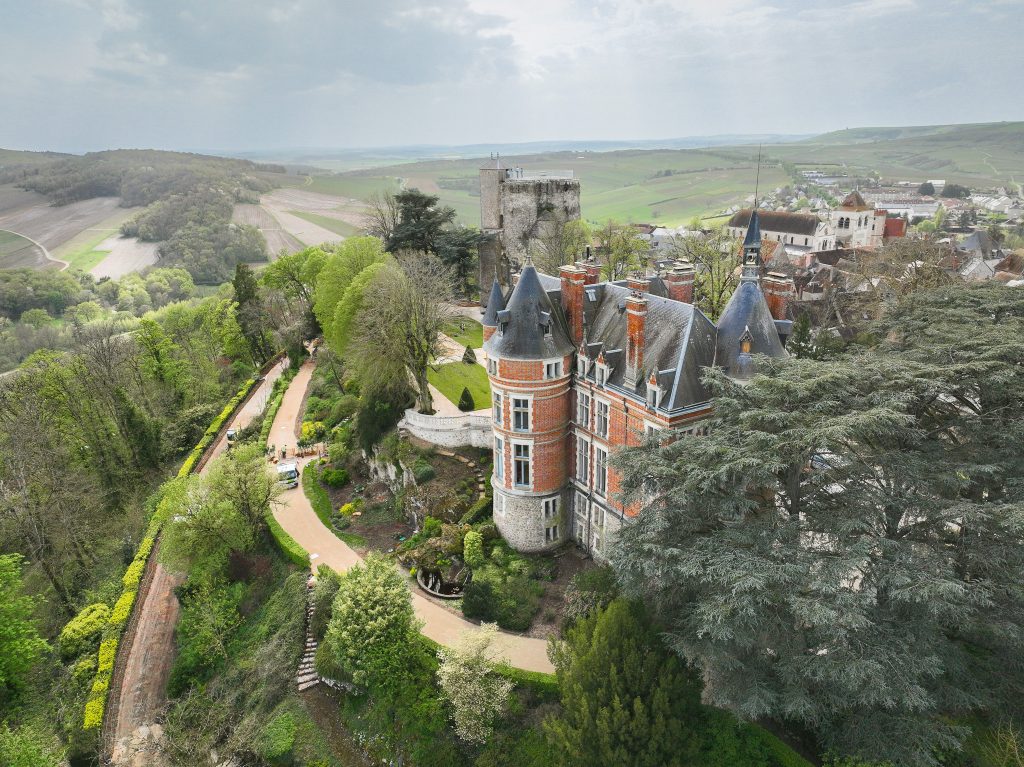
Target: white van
{"points": [[288, 474]]}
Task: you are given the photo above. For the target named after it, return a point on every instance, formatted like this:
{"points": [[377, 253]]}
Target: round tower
{"points": [[529, 360]]}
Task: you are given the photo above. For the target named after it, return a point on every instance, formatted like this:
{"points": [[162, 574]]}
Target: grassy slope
{"points": [[451, 378], [623, 185], [472, 336], [80, 251]]}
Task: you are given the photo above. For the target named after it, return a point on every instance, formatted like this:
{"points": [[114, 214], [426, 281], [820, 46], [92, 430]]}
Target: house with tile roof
{"points": [[800, 233], [580, 367]]}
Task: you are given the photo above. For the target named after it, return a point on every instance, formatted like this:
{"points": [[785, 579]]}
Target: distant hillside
{"points": [[992, 132]]}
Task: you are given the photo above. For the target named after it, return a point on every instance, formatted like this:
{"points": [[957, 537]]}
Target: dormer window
{"points": [[652, 395], [492, 367], [553, 370], [582, 363], [746, 342]]}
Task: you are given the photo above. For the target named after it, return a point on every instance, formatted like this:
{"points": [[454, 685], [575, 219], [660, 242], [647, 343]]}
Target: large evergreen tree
{"points": [[626, 700], [843, 550], [420, 222]]}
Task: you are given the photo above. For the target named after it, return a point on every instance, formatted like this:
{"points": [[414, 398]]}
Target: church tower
{"points": [[529, 360]]}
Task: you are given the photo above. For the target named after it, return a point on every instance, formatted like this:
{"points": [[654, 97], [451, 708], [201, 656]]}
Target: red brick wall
{"points": [[636, 319], [572, 300], [680, 286], [778, 292]]}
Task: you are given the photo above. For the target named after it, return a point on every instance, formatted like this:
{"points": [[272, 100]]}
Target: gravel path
{"points": [[297, 517], [149, 660]]}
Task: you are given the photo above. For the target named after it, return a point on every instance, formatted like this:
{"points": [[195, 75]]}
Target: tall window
{"points": [[600, 470], [600, 375], [522, 465], [520, 414], [601, 424], [551, 534], [492, 367], [499, 459], [583, 410], [498, 408], [582, 460], [550, 508]]}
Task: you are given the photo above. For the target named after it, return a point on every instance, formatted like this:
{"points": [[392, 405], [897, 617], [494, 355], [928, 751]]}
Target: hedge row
{"points": [[280, 387], [214, 428], [96, 704], [287, 544], [315, 493]]}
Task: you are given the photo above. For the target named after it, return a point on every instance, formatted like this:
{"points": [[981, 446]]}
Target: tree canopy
{"points": [[843, 549]]}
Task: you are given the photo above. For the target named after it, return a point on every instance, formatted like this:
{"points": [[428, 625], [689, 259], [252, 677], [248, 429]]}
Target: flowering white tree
{"points": [[475, 692]]}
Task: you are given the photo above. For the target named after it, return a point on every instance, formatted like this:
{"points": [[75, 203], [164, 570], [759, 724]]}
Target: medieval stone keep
{"points": [[580, 367], [519, 209]]}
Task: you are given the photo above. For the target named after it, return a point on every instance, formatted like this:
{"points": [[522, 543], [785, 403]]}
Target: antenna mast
{"points": [[757, 178]]}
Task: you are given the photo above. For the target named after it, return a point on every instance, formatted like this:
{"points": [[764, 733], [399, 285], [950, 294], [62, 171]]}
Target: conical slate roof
{"points": [[495, 303], [747, 317], [746, 312], [528, 327]]}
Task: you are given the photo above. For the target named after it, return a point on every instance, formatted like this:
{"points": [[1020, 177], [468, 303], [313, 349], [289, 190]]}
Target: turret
{"points": [[746, 326], [495, 303], [529, 359]]}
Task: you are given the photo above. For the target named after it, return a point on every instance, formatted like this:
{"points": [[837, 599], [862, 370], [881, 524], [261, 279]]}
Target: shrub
{"points": [[351, 507], [473, 549], [588, 591], [82, 632], [466, 403], [334, 477], [122, 609], [324, 591], [468, 357], [432, 527], [422, 471], [312, 431], [478, 600], [288, 545], [108, 651], [479, 510], [279, 739]]}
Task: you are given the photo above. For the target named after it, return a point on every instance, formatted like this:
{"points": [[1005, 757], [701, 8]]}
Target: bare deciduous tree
{"points": [[715, 258], [404, 311], [382, 215]]}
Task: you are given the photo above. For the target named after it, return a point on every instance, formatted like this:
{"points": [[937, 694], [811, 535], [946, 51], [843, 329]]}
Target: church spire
{"points": [[752, 242]]}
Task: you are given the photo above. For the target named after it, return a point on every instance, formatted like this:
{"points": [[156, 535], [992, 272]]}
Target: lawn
{"points": [[465, 332], [450, 380], [335, 225]]}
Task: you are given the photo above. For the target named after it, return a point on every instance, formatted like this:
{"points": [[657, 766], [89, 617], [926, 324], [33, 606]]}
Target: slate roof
{"points": [[679, 342], [495, 303], [778, 221], [746, 312], [530, 327]]}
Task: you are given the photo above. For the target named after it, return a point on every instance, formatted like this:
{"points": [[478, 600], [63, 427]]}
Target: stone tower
{"points": [[518, 208], [529, 360]]}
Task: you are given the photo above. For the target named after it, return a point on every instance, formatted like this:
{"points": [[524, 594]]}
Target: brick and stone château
{"points": [[580, 367]]}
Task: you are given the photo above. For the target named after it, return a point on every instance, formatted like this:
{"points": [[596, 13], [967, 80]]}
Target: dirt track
{"points": [[151, 655]]}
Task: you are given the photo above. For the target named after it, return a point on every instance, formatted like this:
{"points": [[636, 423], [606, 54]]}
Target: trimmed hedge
{"points": [[316, 495], [96, 704], [288, 545], [476, 512], [275, 403]]}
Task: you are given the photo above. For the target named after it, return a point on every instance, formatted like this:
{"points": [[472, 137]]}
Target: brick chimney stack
{"points": [[779, 292], [679, 282], [573, 283], [592, 270], [638, 284], [636, 320]]}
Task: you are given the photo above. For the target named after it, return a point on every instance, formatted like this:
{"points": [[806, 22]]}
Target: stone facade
{"points": [[516, 209]]}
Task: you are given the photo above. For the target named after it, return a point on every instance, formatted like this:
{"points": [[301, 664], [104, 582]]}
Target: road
{"points": [[149, 660], [296, 516]]}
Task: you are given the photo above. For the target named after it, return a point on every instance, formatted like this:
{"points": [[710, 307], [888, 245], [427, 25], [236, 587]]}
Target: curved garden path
{"points": [[296, 516], [147, 668]]}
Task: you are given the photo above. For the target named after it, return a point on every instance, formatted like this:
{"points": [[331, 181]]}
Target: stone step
{"points": [[300, 678], [307, 685]]}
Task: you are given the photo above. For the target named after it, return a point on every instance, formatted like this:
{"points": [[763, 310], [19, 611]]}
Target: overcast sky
{"points": [[252, 74]]}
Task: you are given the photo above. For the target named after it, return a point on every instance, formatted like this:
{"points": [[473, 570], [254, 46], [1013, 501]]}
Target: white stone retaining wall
{"points": [[449, 430]]}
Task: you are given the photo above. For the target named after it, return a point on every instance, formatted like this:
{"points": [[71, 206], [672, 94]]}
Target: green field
{"points": [[335, 225], [349, 185], [451, 378], [671, 186], [80, 251], [465, 332]]}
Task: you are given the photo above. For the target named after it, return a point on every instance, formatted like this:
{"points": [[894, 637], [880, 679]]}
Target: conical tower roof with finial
{"points": [[746, 326], [529, 328], [495, 303]]}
